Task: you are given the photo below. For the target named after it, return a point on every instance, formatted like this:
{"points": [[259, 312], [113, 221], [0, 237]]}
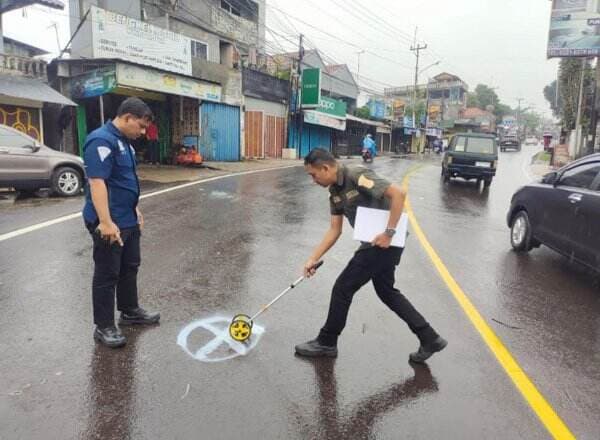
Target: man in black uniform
{"points": [[112, 216], [349, 188]]}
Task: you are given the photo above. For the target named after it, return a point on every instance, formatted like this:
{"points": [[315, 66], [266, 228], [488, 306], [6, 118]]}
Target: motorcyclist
{"points": [[369, 144]]}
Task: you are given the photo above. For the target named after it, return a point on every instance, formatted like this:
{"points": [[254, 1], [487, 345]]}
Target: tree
{"points": [[486, 96], [502, 110], [569, 77], [552, 98], [472, 100], [362, 112]]}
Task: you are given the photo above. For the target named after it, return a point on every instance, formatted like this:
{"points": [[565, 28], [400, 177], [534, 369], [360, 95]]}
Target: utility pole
{"points": [[417, 48], [519, 117], [578, 128], [298, 100], [358, 66]]}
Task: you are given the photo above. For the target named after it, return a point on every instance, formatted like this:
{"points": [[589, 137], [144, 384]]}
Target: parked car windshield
{"points": [[474, 145]]}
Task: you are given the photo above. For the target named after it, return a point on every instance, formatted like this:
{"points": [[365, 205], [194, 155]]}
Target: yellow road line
{"points": [[534, 398]]}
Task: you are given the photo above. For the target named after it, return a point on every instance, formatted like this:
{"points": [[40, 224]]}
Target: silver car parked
{"points": [[27, 165]]}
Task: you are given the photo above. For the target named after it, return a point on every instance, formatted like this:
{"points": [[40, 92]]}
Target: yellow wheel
{"points": [[240, 328]]}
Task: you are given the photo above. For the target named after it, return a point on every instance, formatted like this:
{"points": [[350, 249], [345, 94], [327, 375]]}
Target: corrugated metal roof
{"points": [[32, 89], [9, 5]]}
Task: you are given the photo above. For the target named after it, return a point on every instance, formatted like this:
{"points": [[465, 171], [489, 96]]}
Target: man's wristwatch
{"points": [[390, 232]]}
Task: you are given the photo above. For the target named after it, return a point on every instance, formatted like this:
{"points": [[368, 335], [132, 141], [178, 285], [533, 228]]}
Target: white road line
{"points": [[37, 227]]}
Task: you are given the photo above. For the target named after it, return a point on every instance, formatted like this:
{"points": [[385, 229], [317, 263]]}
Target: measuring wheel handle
{"points": [[317, 265]]}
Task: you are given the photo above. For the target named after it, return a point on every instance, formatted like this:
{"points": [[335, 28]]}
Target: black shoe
{"points": [[138, 316], [426, 351], [315, 349], [110, 336]]}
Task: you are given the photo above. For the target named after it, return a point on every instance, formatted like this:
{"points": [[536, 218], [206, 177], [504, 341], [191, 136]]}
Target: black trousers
{"points": [[115, 269], [377, 265]]}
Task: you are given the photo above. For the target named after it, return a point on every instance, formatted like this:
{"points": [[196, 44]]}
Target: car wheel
{"points": [[487, 183], [446, 176], [520, 232], [66, 182]]}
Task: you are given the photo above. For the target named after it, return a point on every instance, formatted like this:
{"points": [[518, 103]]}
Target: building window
{"points": [[199, 50], [230, 8]]}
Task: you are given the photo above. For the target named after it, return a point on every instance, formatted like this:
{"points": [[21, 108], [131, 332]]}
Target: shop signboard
{"points": [[95, 83], [377, 109], [311, 88], [332, 107], [162, 82], [574, 29], [118, 36], [318, 118]]}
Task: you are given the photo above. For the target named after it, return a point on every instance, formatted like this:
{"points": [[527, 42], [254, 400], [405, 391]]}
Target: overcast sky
{"points": [[501, 43]]}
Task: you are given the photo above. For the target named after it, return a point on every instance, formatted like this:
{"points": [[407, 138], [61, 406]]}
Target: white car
{"points": [[531, 141]]}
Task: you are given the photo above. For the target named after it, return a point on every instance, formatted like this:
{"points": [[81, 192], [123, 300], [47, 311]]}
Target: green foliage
{"points": [[483, 97], [550, 95], [362, 112]]}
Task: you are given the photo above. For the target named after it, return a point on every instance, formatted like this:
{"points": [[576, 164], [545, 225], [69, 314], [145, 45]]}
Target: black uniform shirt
{"points": [[357, 186]]}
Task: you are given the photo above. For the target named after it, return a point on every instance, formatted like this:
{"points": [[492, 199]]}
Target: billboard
{"points": [[118, 36], [377, 109], [574, 29], [311, 87]]}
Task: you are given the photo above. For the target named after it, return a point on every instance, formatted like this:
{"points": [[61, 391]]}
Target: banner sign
{"points": [[118, 36], [377, 109], [95, 83], [574, 29], [332, 107], [156, 81], [318, 118], [311, 87]]}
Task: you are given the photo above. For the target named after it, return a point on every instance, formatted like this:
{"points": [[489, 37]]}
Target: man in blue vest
{"points": [[112, 216]]}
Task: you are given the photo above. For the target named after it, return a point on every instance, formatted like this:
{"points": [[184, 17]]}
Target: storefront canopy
{"points": [[31, 89]]}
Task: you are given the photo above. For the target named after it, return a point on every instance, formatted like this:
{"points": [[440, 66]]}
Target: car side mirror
{"points": [[551, 178], [35, 148]]}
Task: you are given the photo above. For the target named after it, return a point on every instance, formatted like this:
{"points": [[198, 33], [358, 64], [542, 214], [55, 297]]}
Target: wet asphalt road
{"points": [[231, 245]]}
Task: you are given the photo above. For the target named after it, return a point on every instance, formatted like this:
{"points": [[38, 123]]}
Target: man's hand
{"points": [[382, 241], [140, 218], [110, 231], [309, 268]]}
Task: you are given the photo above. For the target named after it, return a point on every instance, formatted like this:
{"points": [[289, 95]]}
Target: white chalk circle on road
{"points": [[219, 327]]}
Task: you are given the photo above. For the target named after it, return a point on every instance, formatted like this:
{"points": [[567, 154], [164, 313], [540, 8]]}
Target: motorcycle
{"points": [[367, 156]]}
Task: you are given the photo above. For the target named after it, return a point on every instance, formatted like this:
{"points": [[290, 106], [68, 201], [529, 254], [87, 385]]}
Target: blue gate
{"points": [[220, 132], [313, 136]]}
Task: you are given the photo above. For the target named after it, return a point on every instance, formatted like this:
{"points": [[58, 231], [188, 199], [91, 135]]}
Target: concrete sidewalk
{"points": [[171, 173], [540, 165]]}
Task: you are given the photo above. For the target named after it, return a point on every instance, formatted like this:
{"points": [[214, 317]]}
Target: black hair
{"points": [[135, 107], [318, 157]]}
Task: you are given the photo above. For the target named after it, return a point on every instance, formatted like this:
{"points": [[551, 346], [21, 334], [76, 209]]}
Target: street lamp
{"points": [[427, 67]]}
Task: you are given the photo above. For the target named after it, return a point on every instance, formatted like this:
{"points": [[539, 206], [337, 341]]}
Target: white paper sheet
{"points": [[372, 222]]}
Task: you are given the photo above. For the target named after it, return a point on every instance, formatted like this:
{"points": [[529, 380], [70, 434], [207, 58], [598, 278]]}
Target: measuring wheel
{"points": [[240, 328]]}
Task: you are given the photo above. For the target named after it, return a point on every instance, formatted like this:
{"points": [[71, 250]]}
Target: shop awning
{"points": [[350, 117], [31, 89]]}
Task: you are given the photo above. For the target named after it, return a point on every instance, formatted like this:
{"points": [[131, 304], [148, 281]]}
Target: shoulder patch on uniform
{"points": [[365, 182], [103, 152]]}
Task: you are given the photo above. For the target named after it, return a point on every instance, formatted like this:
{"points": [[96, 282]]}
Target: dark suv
{"points": [[510, 141], [471, 156], [562, 211]]}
